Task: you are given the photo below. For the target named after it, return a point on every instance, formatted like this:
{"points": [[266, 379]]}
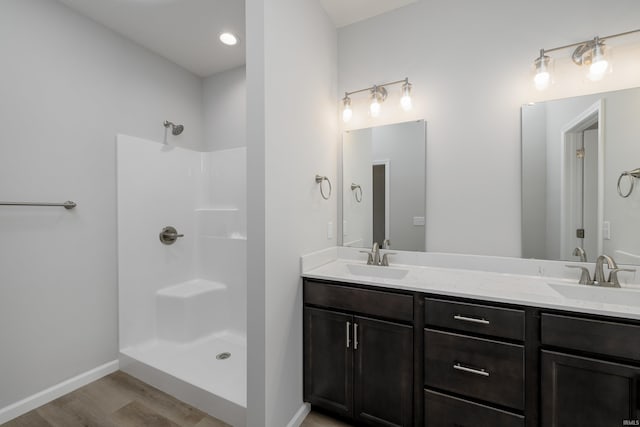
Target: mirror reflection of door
{"points": [[581, 179], [384, 186], [587, 206], [379, 198]]}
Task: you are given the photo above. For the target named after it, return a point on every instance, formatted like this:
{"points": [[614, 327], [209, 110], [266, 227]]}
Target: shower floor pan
{"points": [[192, 373]]}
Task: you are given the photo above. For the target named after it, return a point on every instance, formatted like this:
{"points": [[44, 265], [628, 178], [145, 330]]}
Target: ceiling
{"points": [[345, 12], [186, 31], [183, 31]]}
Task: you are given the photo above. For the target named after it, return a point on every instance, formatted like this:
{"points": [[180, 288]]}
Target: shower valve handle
{"points": [[169, 235]]}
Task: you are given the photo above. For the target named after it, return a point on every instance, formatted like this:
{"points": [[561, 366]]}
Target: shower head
{"points": [[175, 129]]}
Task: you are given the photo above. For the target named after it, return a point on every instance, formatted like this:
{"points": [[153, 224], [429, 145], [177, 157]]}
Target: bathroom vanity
{"points": [[438, 348]]}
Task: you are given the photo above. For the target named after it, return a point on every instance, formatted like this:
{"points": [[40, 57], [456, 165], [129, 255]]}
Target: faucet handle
{"points": [[585, 277], [369, 257], [613, 276], [385, 258]]}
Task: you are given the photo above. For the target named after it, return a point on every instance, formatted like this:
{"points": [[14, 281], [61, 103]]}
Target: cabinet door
{"points": [[328, 360], [579, 391], [383, 377]]}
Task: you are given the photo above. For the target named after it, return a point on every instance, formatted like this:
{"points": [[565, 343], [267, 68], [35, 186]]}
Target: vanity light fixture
{"points": [[377, 93], [347, 112], [542, 77], [592, 53], [405, 101]]}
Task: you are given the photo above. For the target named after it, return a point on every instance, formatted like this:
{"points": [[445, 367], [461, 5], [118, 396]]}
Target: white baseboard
{"points": [[299, 417], [34, 401]]}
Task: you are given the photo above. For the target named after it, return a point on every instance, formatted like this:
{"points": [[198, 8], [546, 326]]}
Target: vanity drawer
{"points": [[441, 410], [480, 368], [593, 336], [481, 319], [375, 303]]}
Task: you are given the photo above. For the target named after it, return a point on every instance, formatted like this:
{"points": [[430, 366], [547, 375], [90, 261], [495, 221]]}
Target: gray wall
{"points": [[68, 86], [470, 64], [225, 107], [292, 136], [534, 180]]}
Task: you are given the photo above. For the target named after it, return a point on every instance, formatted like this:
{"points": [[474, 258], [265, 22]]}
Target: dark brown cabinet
{"points": [[383, 380], [385, 358], [468, 365], [588, 392], [600, 385], [358, 367], [328, 360]]}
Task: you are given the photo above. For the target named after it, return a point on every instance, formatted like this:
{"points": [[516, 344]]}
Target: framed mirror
{"points": [[384, 186], [580, 195]]}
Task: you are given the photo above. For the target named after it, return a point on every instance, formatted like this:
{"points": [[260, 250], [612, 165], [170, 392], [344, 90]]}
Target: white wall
{"points": [[225, 106], [68, 86], [291, 83], [469, 63]]}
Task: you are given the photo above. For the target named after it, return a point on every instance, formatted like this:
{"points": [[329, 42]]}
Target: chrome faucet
{"points": [[579, 252], [373, 257], [598, 275], [375, 251]]}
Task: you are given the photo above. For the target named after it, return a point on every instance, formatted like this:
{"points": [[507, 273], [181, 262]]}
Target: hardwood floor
{"points": [[117, 400], [120, 400], [316, 419]]}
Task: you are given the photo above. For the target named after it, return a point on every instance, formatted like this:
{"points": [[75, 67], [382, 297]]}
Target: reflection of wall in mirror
{"points": [[542, 169], [357, 216], [403, 146], [622, 153]]}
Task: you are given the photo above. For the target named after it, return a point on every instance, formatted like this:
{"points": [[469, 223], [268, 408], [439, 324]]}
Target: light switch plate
{"points": [[418, 220], [330, 230]]}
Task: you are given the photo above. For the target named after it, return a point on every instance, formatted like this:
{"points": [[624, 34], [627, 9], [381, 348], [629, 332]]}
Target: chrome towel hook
{"points": [[355, 187], [632, 175], [320, 179]]}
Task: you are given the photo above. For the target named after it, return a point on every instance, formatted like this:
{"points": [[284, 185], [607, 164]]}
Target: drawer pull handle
{"points": [[460, 367], [471, 319], [348, 334]]}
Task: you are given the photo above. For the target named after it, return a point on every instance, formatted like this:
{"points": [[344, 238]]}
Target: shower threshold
{"points": [[192, 373]]}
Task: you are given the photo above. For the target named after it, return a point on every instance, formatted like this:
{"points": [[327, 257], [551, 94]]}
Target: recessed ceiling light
{"points": [[228, 39]]}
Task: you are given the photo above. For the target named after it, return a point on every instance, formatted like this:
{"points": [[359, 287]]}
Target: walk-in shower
{"points": [[181, 272]]}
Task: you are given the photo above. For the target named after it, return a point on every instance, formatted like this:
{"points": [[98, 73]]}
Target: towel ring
{"points": [[355, 188], [319, 180], [632, 175]]}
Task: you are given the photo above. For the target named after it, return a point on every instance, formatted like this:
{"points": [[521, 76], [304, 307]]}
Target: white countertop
{"points": [[519, 289]]}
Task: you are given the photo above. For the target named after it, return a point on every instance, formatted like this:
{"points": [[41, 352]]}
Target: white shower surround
{"points": [[182, 304]]}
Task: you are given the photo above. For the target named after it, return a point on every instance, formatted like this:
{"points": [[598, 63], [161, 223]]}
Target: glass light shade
{"points": [[405, 101], [542, 80], [347, 113], [600, 63], [374, 108], [542, 72], [228, 39]]}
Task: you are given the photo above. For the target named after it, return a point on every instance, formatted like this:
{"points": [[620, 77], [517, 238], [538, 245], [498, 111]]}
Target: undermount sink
{"points": [[628, 297], [377, 271]]}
